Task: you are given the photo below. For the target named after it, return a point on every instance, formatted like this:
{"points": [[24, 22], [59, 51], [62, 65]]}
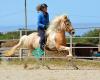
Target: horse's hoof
{"points": [[76, 68], [69, 56], [7, 53], [48, 67], [25, 66]]}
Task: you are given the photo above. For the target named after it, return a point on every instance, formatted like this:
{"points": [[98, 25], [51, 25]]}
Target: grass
{"points": [[57, 62], [89, 63]]}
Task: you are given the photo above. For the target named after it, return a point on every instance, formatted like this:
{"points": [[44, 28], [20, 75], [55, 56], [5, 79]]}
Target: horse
{"points": [[55, 37], [56, 33]]}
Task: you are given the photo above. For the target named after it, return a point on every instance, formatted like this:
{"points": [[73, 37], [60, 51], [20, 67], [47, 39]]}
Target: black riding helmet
{"points": [[44, 5]]}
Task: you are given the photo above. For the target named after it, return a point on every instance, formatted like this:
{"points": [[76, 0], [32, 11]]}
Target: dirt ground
{"points": [[17, 72]]}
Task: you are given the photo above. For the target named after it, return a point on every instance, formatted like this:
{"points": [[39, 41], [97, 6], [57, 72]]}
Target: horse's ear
{"points": [[65, 17]]}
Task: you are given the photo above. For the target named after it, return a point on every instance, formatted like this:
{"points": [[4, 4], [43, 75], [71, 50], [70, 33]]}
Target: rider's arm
{"points": [[40, 17]]}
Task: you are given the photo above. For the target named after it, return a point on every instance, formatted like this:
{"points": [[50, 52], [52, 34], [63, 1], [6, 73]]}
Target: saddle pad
{"points": [[38, 53]]}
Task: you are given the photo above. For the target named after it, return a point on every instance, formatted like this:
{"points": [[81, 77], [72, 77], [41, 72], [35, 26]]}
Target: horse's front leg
{"points": [[27, 58], [66, 48], [70, 59]]}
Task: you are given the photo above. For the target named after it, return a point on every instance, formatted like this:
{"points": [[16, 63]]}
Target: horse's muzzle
{"points": [[72, 32]]}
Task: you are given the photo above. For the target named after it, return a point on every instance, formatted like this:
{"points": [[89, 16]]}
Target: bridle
{"points": [[67, 28]]}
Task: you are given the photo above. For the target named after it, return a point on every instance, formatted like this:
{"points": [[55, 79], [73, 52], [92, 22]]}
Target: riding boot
{"points": [[42, 46]]}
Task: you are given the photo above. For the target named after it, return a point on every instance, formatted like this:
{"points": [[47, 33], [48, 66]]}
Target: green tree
{"points": [[92, 33], [10, 35]]}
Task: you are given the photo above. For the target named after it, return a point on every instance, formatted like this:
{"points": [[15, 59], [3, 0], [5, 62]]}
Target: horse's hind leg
{"points": [[27, 58], [11, 52], [39, 63], [42, 63]]}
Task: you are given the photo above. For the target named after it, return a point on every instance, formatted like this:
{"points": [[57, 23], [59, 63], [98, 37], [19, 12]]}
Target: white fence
{"points": [[71, 46]]}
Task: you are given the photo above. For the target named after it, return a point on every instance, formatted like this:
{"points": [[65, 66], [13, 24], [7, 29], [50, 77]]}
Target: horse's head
{"points": [[66, 25], [61, 23]]}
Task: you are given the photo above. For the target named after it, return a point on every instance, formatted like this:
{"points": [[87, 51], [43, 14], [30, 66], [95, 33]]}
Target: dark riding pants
{"points": [[42, 38]]}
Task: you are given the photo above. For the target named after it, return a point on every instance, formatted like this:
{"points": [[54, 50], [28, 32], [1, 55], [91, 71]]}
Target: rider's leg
{"points": [[42, 38], [42, 42]]}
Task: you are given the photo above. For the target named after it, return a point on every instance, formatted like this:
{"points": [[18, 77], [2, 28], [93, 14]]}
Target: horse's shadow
{"points": [[51, 54]]}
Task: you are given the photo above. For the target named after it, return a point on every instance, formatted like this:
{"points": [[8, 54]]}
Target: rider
{"points": [[43, 21]]}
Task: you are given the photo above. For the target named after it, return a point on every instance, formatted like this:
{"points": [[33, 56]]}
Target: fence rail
{"points": [[52, 57], [71, 46]]}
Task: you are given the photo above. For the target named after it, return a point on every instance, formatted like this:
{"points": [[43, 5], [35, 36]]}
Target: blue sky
{"points": [[78, 11]]}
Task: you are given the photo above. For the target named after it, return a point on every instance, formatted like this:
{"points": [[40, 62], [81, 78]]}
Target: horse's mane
{"points": [[55, 24]]}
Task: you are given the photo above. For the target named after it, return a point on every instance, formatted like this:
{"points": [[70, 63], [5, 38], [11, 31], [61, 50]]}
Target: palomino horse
{"points": [[56, 33], [55, 36]]}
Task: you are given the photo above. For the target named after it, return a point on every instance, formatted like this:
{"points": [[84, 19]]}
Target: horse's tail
{"points": [[12, 50]]}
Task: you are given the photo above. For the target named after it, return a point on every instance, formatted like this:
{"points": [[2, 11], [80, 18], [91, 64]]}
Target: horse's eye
{"points": [[67, 24]]}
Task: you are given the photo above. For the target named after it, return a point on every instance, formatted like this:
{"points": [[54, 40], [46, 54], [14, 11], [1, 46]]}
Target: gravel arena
{"points": [[17, 72]]}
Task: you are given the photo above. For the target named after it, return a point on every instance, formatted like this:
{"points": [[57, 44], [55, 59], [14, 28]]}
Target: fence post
{"points": [[20, 33], [71, 41], [20, 52]]}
